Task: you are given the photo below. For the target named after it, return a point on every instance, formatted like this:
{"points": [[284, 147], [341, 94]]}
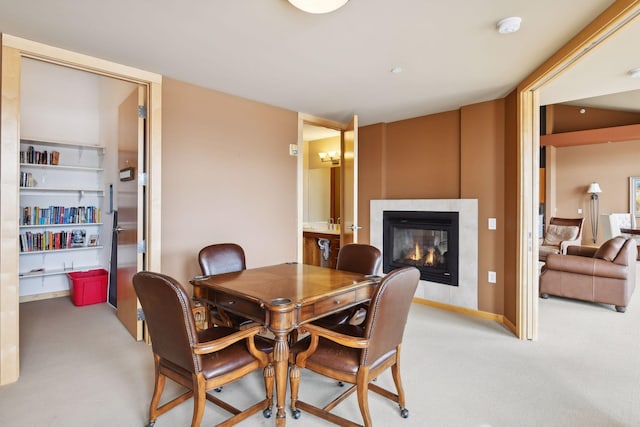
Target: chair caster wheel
{"points": [[295, 414], [404, 412], [340, 384], [218, 389], [267, 413]]}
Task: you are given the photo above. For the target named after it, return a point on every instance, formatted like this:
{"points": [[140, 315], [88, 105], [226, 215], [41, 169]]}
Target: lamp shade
{"points": [[594, 188], [318, 6]]}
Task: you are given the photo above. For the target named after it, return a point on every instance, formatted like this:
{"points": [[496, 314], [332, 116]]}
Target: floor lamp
{"points": [[594, 189]]}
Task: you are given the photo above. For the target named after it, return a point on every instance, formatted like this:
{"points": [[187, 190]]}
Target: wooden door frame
{"points": [[619, 14], [13, 50], [316, 121]]}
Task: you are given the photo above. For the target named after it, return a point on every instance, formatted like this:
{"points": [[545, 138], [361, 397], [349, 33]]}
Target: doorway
{"points": [[327, 188], [15, 52], [617, 16]]}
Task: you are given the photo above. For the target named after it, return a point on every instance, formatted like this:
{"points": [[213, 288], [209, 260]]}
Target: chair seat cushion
{"points": [[226, 360]]}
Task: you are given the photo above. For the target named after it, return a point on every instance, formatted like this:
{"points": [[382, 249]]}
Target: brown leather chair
{"points": [[357, 258], [358, 354], [561, 233], [222, 258], [605, 275], [197, 360]]}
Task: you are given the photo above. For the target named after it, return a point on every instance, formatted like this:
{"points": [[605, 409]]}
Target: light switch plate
{"points": [[293, 149], [491, 277], [492, 223]]}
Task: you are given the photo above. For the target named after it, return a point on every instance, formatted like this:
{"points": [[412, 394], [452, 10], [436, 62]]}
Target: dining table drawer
{"points": [[240, 306], [335, 302]]}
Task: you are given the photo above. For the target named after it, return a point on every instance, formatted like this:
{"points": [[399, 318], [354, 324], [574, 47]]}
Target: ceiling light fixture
{"points": [[635, 73], [318, 6], [396, 70], [509, 25]]}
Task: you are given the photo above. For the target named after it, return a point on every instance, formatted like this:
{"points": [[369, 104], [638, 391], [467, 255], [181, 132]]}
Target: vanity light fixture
{"points": [[331, 156], [509, 25], [318, 6]]}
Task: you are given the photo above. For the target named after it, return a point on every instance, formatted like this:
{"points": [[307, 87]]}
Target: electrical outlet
{"points": [[491, 277]]}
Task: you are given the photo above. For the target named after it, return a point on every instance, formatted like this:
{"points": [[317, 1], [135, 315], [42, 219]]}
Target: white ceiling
{"points": [[332, 65]]}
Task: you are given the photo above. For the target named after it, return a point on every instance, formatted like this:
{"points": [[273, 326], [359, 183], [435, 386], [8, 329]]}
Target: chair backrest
{"points": [[359, 258], [576, 222], [388, 312], [609, 226], [221, 258], [167, 312], [623, 220]]}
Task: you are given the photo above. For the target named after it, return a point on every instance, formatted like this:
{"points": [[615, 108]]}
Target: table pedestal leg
{"points": [[281, 362]]}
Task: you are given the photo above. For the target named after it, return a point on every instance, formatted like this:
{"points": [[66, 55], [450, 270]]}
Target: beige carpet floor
{"points": [[79, 367]]}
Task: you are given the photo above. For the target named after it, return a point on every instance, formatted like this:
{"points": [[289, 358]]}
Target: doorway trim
{"points": [[13, 50], [618, 15]]}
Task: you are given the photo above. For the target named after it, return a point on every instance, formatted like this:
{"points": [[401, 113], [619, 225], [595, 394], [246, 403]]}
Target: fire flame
{"points": [[416, 254], [430, 259]]}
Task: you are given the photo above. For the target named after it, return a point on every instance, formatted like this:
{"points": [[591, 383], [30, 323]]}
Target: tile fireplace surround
{"points": [[466, 293]]}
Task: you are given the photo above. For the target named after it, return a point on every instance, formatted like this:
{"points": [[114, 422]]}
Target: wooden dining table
{"points": [[282, 297]]}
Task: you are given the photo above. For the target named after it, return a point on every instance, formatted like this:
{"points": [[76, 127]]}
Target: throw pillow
{"points": [[557, 234], [609, 249]]}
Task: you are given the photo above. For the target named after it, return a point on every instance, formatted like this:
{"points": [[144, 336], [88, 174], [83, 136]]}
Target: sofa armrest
{"points": [[586, 266]]}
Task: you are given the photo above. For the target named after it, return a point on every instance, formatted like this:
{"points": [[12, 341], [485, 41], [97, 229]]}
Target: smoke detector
{"points": [[509, 25]]}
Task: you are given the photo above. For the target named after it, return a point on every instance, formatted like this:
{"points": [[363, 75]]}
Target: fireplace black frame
{"points": [[428, 220]]}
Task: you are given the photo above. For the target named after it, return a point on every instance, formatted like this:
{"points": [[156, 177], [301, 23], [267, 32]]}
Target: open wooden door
{"points": [[130, 201], [349, 182]]}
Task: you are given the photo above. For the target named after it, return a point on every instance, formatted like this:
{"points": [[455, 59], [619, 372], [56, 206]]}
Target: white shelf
{"points": [[54, 143], [98, 191], [57, 271], [55, 251], [60, 167], [69, 225]]}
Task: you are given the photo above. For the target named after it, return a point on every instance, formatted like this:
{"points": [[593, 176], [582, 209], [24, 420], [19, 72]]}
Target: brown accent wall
{"points": [[422, 157], [567, 118], [608, 164], [371, 183], [226, 177], [455, 154], [482, 135]]}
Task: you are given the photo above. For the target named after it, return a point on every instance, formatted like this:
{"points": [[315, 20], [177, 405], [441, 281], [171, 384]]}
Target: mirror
{"points": [[321, 178]]}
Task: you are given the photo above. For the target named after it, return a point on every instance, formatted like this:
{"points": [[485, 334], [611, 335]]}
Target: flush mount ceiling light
{"points": [[635, 73], [318, 6], [509, 25]]}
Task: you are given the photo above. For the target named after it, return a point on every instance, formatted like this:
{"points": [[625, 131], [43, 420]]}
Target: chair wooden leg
{"points": [[395, 373], [199, 399], [362, 387], [269, 374], [294, 379], [157, 392]]}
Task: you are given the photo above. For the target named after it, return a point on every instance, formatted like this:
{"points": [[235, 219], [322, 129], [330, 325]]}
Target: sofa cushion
{"points": [[609, 249], [557, 234]]}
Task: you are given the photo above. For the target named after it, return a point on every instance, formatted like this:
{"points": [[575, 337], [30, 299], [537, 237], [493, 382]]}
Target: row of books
{"points": [[26, 179], [33, 156], [50, 241], [60, 215]]}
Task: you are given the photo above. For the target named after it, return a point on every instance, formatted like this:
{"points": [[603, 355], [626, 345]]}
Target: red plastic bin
{"points": [[88, 287]]}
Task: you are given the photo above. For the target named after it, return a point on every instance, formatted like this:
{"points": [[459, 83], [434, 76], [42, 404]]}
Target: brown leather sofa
{"points": [[605, 275]]}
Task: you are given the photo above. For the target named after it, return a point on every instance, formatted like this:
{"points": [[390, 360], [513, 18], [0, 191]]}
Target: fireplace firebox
{"points": [[423, 239]]}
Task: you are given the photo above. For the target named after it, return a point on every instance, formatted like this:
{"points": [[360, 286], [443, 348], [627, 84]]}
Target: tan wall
{"points": [[482, 177], [609, 164], [227, 177], [511, 179], [447, 155]]}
